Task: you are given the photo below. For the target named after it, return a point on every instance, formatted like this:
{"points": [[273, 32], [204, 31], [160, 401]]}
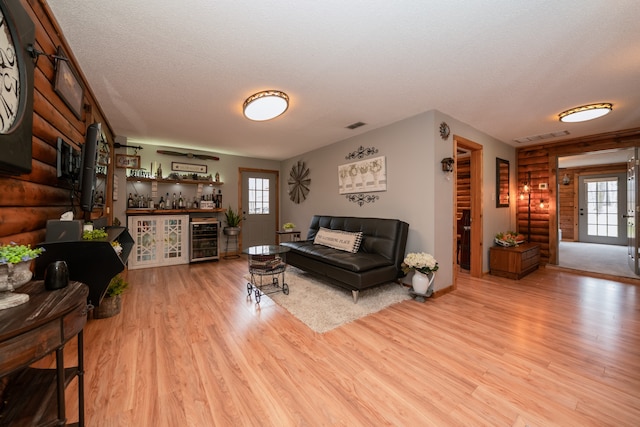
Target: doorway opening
{"points": [[593, 220], [472, 231]]}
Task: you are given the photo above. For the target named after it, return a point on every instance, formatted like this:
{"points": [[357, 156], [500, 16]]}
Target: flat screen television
{"points": [[88, 168]]}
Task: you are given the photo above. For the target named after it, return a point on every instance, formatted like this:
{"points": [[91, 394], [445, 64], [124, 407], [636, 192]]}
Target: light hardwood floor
{"points": [[189, 349]]}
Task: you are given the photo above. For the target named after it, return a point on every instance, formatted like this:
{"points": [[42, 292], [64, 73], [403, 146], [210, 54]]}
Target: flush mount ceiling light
{"points": [[265, 105], [586, 112]]}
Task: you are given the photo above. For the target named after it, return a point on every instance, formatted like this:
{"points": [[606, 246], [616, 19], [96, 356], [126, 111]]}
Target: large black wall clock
{"points": [[17, 32]]}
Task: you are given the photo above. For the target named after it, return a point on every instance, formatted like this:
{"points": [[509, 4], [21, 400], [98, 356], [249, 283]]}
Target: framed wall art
{"points": [[67, 85], [128, 162], [188, 167], [363, 176]]}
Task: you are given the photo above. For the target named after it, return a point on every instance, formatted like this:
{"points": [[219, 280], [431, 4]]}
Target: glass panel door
{"points": [[602, 206]]}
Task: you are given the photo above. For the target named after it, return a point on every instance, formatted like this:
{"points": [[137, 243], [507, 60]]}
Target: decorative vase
{"points": [[20, 273], [422, 281]]}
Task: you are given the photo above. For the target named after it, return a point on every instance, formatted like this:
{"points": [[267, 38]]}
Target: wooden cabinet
{"points": [[514, 262], [29, 332], [159, 240]]}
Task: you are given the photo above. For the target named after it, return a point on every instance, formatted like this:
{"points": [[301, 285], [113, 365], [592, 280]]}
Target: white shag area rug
{"points": [[323, 307]]}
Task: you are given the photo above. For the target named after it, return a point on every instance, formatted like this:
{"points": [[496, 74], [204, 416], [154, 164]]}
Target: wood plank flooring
{"points": [[189, 349]]}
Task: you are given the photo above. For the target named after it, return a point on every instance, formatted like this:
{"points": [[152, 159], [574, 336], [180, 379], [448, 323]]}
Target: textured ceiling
{"points": [[175, 73]]}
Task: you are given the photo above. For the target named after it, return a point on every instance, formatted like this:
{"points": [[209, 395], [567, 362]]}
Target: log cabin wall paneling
{"points": [[463, 184], [27, 201], [540, 161], [568, 196]]}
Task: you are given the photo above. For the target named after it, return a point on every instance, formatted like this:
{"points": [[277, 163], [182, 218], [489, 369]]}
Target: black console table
{"points": [[29, 332], [93, 262]]}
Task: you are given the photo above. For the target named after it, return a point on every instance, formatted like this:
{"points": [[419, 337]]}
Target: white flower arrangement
{"points": [[421, 261]]}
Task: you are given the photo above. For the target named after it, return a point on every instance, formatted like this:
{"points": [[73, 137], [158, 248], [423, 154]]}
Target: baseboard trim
{"points": [[443, 291]]}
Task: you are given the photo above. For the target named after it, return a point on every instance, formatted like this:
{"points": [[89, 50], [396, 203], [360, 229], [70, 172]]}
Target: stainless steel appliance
{"points": [[205, 239]]}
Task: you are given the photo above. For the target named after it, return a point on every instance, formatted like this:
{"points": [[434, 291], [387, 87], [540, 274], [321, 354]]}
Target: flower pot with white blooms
{"points": [[424, 266]]}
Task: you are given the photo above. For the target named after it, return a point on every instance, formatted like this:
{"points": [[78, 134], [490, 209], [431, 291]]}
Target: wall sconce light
{"points": [[566, 180], [541, 203], [447, 164]]}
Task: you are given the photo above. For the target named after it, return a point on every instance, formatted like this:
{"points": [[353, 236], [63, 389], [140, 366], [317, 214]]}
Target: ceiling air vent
{"points": [[355, 125], [541, 136]]}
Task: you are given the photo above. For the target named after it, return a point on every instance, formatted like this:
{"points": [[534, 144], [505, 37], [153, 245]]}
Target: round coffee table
{"points": [[266, 260]]}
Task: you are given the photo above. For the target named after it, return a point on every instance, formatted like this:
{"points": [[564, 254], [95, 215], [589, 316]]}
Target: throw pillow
{"points": [[338, 239]]}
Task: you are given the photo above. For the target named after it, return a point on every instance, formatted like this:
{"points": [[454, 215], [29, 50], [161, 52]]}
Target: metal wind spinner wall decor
{"points": [[299, 182]]}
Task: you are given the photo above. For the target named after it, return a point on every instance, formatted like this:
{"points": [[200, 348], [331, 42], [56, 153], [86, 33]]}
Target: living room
{"points": [[418, 191]]}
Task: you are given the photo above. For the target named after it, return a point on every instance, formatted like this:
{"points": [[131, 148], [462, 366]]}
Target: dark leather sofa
{"points": [[377, 261]]}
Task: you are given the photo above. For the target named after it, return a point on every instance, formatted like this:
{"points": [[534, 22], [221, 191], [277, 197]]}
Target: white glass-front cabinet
{"points": [[159, 240]]}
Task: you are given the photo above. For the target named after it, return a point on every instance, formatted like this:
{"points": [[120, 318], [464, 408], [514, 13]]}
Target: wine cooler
{"points": [[205, 239]]}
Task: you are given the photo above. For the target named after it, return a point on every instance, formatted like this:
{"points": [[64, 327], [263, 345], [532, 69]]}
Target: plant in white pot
{"points": [[233, 220], [424, 266], [15, 271], [18, 259]]}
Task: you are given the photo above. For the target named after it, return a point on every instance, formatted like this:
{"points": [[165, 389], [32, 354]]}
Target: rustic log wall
{"points": [[27, 201], [463, 183], [539, 162]]}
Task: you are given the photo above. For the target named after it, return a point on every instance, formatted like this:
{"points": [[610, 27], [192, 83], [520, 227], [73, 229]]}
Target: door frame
{"points": [[477, 246], [241, 170], [553, 167]]}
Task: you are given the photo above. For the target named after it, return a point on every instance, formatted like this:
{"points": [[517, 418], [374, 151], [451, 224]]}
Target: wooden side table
{"points": [[514, 262], [294, 236], [29, 332]]}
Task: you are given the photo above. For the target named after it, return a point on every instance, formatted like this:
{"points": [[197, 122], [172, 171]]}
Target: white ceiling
{"points": [[176, 73]]}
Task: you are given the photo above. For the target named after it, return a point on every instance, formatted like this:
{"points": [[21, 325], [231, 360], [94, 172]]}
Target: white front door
{"points": [[602, 204]]}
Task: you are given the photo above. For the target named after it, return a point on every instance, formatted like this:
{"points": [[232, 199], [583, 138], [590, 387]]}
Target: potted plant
{"points": [[94, 234], [424, 266], [15, 265], [112, 302], [288, 227], [233, 220]]}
